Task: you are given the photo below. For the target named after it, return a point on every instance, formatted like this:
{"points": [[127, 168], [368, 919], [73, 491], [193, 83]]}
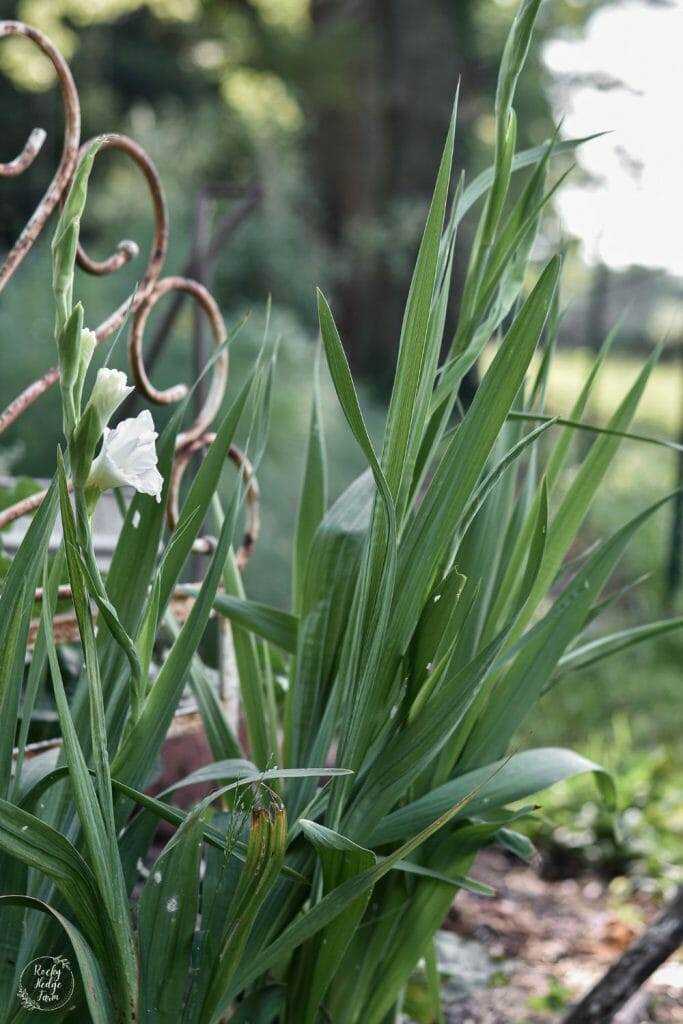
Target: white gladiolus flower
{"points": [[128, 457], [109, 390]]}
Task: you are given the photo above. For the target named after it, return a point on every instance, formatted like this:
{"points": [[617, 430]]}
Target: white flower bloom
{"points": [[128, 457], [109, 390]]}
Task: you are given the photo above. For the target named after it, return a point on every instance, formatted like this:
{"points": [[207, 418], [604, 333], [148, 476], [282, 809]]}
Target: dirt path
{"points": [[548, 943]]}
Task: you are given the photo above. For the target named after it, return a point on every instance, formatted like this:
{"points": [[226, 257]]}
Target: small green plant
{"points": [[554, 1001], [432, 607], [640, 846]]}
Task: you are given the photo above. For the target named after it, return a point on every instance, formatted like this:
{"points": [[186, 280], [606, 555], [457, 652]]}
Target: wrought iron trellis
{"points": [[150, 289]]}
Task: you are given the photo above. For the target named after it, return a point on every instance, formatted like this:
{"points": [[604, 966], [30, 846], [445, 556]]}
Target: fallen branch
{"points": [[637, 964]]}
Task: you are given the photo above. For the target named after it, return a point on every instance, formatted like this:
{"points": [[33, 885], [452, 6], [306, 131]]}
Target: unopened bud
{"points": [[68, 348], [109, 390], [65, 240], [85, 354]]}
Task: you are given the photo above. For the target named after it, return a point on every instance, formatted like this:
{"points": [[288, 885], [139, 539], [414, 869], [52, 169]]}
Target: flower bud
{"points": [[68, 352], [64, 247], [109, 390], [65, 240], [85, 354], [83, 444]]}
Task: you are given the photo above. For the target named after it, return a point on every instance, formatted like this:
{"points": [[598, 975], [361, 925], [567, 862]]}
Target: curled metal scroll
{"points": [[252, 493], [127, 249], [149, 291], [68, 159], [219, 378]]}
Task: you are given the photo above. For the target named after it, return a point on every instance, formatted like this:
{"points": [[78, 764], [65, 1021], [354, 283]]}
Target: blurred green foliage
{"points": [[641, 847]]}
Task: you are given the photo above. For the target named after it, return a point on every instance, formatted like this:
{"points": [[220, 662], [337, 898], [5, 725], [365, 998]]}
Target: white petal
{"points": [[128, 456]]}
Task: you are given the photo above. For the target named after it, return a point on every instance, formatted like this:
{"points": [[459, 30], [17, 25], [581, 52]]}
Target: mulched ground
{"points": [[553, 941]]}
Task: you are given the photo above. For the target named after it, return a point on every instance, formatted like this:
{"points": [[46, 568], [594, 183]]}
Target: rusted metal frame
{"points": [[124, 253], [216, 391], [69, 156], [200, 266], [21, 508], [252, 493], [185, 721]]}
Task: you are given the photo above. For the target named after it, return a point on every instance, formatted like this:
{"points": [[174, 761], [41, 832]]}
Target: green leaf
{"points": [[85, 797], [439, 624], [252, 669], [110, 618], [343, 383], [167, 917], [594, 428], [507, 585], [236, 768], [517, 844], [256, 689], [271, 624], [16, 603], [311, 921], [358, 666], [313, 498], [203, 486], [130, 575], [222, 740], [457, 881], [541, 649], [495, 785], [330, 580], [265, 853], [526, 158], [576, 503], [418, 349], [94, 988], [95, 805], [456, 476], [36, 671], [98, 729], [11, 675], [260, 1007], [136, 755], [605, 646], [434, 982], [42, 848], [496, 472], [317, 962]]}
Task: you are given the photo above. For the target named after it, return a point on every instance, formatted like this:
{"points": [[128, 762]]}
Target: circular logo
{"points": [[46, 983]]}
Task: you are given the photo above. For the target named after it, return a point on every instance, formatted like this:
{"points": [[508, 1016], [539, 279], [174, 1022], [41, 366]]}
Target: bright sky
{"points": [[633, 212]]}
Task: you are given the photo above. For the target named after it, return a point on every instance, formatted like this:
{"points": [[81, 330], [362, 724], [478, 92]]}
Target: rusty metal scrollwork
{"points": [[150, 289], [237, 456]]}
